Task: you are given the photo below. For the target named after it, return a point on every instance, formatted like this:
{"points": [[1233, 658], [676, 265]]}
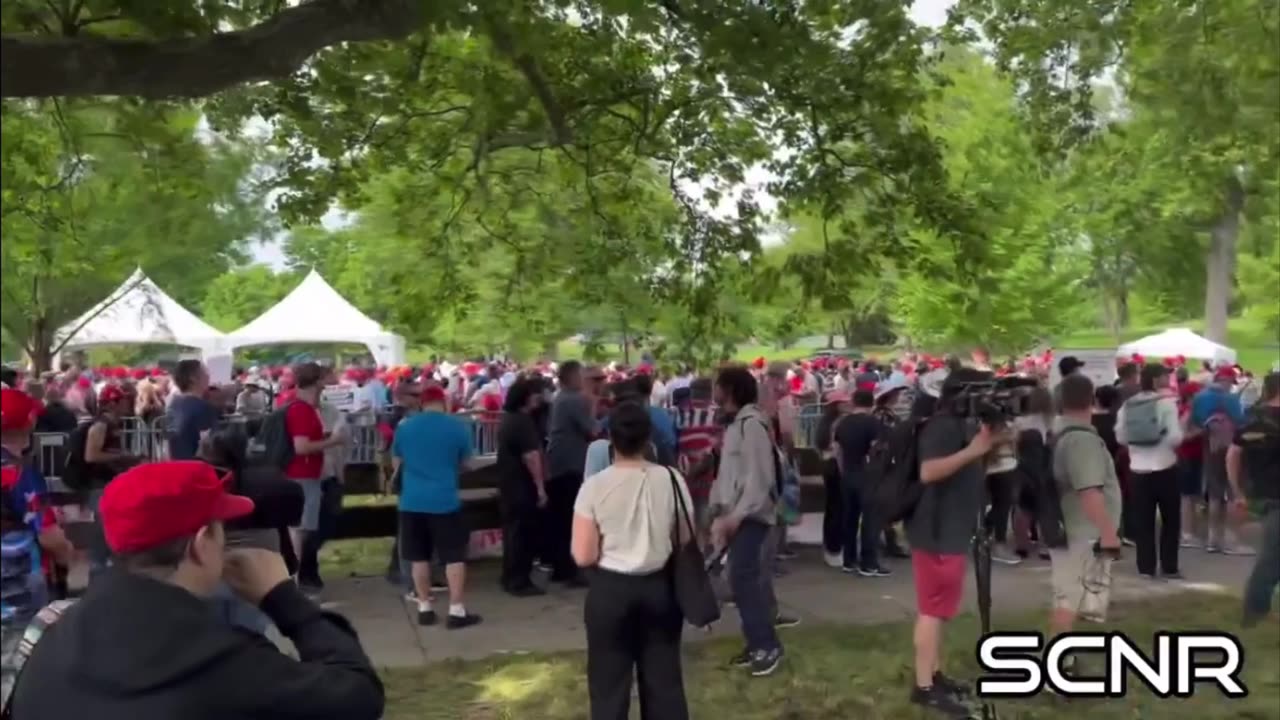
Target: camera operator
{"points": [[940, 530], [1090, 495]]}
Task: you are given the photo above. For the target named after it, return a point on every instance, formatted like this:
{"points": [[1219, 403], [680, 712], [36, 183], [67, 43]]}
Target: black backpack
{"points": [[274, 439], [893, 472], [1035, 465], [76, 474]]}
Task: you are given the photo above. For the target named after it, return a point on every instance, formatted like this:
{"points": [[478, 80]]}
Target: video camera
{"points": [[991, 400]]}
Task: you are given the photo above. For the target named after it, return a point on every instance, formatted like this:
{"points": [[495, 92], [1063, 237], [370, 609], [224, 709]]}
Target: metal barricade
{"points": [[366, 441], [484, 433], [50, 451], [807, 420]]}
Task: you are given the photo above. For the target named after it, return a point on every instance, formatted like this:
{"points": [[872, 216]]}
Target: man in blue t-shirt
{"points": [[1217, 412], [430, 449], [190, 416]]}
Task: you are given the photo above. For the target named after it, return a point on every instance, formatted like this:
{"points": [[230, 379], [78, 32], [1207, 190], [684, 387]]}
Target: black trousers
{"points": [[1002, 490], [562, 492], [330, 511], [519, 537], [1154, 492], [633, 626], [833, 512]]}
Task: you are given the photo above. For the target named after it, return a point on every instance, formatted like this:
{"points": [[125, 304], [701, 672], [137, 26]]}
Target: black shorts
{"points": [[422, 534]]}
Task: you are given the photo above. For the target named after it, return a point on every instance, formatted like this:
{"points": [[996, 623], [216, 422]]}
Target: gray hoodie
{"points": [[745, 484]]}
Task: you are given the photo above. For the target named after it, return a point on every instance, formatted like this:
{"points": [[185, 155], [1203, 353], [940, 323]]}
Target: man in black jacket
{"points": [[143, 643]]}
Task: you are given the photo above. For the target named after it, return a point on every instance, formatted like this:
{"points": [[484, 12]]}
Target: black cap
{"points": [[1069, 364]]}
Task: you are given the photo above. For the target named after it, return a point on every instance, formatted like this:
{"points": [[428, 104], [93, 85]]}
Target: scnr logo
{"points": [[1022, 664]]}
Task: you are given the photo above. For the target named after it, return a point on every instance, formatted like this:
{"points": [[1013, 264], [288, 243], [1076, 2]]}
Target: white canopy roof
{"points": [[136, 313], [1179, 341], [315, 313]]}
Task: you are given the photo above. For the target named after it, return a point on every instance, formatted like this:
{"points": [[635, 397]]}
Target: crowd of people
{"points": [[604, 474]]}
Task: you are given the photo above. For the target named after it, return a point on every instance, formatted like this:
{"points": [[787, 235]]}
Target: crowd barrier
{"points": [[150, 440]]}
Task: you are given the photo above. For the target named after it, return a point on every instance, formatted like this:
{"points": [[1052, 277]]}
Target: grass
{"points": [[834, 671]]}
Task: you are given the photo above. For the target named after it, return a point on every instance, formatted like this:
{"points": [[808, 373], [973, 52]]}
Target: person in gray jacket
{"points": [[744, 501]]}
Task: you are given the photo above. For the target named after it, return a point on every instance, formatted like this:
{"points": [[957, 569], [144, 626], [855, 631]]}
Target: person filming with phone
{"points": [[143, 643]]}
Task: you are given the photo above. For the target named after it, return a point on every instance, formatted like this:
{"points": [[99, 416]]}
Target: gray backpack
{"points": [[1142, 426]]}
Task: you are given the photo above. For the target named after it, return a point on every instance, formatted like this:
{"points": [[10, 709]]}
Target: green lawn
{"points": [[834, 672]]}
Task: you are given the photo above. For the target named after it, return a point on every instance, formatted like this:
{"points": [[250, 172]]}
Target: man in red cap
{"points": [[143, 643], [28, 529]]}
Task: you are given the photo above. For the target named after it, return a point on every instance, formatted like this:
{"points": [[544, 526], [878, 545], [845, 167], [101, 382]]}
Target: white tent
{"points": [[139, 313], [315, 313], [1179, 341]]}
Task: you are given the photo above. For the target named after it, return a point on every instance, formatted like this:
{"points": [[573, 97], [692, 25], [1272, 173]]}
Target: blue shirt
{"points": [[664, 432], [22, 587], [432, 447], [1214, 399]]}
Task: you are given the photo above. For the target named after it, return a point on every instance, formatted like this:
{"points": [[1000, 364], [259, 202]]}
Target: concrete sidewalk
{"points": [[810, 590]]}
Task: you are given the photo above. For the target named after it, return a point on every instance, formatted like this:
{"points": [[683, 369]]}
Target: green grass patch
{"points": [[834, 671], [365, 557]]}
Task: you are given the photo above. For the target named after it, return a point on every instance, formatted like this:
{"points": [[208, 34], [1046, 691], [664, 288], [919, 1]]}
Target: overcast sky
{"points": [[926, 12]]}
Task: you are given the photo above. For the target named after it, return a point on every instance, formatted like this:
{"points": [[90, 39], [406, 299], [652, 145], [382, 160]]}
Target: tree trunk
{"points": [[1122, 307], [39, 347], [1110, 316], [1220, 262]]}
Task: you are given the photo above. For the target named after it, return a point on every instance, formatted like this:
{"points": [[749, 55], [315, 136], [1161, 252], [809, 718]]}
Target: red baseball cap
{"points": [[110, 394], [18, 410], [154, 503], [1226, 372], [433, 394]]}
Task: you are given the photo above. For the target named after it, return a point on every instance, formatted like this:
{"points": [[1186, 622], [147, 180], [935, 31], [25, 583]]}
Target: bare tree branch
{"points": [[190, 67]]}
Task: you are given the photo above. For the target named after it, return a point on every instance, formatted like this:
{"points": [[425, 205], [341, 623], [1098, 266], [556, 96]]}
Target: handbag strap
{"points": [[680, 509]]}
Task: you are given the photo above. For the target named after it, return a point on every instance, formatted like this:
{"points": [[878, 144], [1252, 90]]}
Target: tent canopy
{"points": [[1179, 341], [315, 313], [139, 313]]}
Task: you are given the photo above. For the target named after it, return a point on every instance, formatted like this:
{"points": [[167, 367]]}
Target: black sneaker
{"points": [[935, 698], [525, 591], [310, 584], [875, 572], [785, 621], [953, 688], [787, 554], [765, 662], [426, 617], [850, 569], [1175, 575], [741, 660], [457, 622], [896, 551]]}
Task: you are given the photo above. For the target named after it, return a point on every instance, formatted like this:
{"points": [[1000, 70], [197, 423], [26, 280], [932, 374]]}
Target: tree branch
{"points": [[197, 66]]}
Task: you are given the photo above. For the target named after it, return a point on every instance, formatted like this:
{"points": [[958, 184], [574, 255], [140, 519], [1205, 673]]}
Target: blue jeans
{"points": [[1262, 582], [99, 553], [861, 534], [751, 586], [234, 611]]}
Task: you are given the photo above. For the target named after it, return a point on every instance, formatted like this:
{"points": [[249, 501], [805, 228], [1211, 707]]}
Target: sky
{"points": [[926, 12]]}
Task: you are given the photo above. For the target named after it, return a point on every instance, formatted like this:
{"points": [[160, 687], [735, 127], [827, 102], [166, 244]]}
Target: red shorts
{"points": [[939, 583]]}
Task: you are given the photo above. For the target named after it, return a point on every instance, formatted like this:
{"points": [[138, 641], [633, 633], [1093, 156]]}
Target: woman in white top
{"points": [[624, 530]]}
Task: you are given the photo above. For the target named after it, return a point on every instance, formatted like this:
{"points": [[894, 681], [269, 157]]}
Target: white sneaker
{"points": [[833, 560], [1001, 554], [1239, 550], [1190, 542]]}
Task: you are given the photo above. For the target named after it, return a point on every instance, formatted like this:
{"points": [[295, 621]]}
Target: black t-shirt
{"points": [[947, 516], [56, 418], [1259, 441], [1105, 424], [855, 434], [517, 435]]}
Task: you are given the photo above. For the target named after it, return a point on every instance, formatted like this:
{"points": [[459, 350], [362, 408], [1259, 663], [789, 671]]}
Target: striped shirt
{"points": [[699, 436]]}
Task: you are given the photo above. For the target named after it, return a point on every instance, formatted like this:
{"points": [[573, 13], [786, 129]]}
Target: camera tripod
{"points": [[982, 577]]}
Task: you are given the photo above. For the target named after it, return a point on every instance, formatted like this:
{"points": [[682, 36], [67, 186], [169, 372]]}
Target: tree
{"points": [[241, 294], [1008, 275], [1200, 75], [89, 196]]}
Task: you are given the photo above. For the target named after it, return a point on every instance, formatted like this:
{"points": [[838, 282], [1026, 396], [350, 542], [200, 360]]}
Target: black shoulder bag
{"points": [[694, 594]]}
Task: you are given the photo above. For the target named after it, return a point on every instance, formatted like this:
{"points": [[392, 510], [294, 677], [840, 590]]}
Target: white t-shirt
{"points": [[635, 510]]}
